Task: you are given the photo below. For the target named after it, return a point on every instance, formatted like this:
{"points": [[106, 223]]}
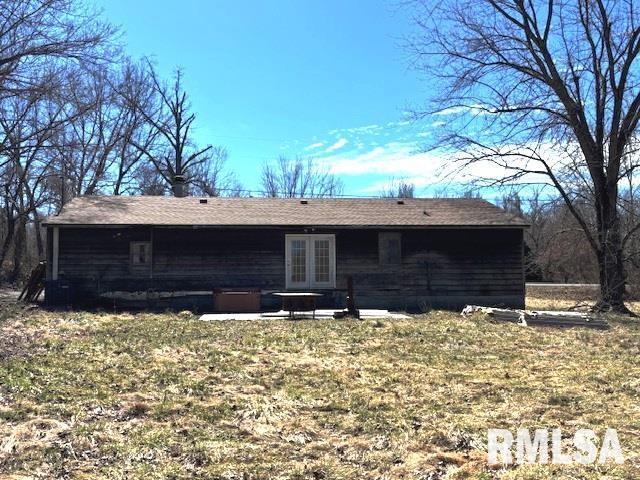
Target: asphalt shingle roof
{"points": [[168, 211]]}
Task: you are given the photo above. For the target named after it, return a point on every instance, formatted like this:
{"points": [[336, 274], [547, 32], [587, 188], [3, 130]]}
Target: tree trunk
{"points": [[612, 282], [8, 239], [610, 263], [19, 250], [38, 234]]}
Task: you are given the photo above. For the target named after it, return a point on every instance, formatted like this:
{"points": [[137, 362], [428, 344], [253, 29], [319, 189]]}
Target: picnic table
{"points": [[298, 302]]}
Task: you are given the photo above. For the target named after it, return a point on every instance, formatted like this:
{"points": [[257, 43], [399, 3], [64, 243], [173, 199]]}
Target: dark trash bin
{"points": [[58, 293]]}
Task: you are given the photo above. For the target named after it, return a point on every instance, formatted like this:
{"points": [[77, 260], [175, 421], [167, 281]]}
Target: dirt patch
{"points": [[16, 338], [32, 437]]}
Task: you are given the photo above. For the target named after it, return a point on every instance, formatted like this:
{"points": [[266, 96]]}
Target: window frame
{"points": [[310, 282], [133, 246]]}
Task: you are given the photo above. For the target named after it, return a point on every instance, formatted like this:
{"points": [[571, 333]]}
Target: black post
{"points": [[351, 301]]}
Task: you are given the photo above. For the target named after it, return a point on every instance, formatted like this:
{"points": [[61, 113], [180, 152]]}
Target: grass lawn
{"points": [[103, 395]]}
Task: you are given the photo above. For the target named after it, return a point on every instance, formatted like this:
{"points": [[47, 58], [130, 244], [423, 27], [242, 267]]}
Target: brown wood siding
{"points": [[206, 259], [439, 267]]}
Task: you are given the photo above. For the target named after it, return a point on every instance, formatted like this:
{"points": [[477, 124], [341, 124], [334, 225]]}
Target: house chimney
{"points": [[179, 186]]}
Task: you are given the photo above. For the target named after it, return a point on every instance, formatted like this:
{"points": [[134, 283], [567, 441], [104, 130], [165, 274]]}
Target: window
{"points": [[140, 254], [310, 261], [389, 248]]}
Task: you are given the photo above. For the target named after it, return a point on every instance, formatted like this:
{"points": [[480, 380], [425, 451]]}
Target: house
{"points": [[400, 253]]}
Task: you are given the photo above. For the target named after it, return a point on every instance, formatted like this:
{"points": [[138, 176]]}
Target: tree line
{"points": [[78, 116], [547, 92]]}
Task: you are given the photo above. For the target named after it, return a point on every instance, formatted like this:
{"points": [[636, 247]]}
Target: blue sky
{"points": [[322, 79]]}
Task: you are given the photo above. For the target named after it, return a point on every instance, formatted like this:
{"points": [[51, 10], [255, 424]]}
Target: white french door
{"points": [[310, 261]]}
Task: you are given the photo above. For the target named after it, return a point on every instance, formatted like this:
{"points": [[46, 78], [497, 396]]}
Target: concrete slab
{"points": [[284, 315], [212, 317], [387, 315], [320, 313]]}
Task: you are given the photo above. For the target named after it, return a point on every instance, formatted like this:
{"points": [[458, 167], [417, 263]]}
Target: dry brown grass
{"points": [[568, 298], [97, 395]]}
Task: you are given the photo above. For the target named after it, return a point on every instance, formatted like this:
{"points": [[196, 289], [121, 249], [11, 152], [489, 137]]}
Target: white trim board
{"points": [[55, 253]]}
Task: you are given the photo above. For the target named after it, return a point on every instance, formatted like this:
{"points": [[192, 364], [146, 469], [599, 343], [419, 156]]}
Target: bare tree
{"points": [[149, 181], [399, 189], [39, 39], [549, 92], [27, 124], [35, 33], [132, 82], [172, 119], [552, 228], [95, 148], [298, 178], [211, 178], [445, 192], [86, 144]]}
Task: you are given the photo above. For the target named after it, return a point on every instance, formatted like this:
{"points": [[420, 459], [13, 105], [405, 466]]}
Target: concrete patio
{"points": [[284, 315]]}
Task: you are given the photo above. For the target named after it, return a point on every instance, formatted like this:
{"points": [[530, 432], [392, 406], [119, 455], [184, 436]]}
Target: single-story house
{"points": [[407, 254]]}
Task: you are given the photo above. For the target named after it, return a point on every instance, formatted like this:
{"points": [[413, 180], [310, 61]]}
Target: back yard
{"points": [[104, 395]]}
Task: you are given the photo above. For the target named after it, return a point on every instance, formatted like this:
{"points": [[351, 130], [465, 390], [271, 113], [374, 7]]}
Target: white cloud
{"points": [[476, 109], [313, 146], [366, 129], [337, 146], [391, 159], [401, 123], [423, 169], [377, 153], [370, 129], [452, 111]]}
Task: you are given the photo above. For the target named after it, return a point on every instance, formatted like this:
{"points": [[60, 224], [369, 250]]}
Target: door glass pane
{"points": [[321, 257], [298, 261]]}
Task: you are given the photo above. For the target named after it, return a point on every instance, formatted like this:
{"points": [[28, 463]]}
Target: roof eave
{"points": [[336, 226]]}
